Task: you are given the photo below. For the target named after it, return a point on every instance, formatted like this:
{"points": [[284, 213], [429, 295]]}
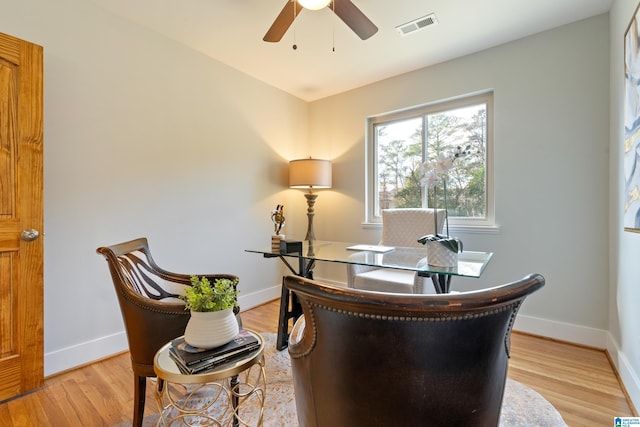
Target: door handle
{"points": [[29, 234]]}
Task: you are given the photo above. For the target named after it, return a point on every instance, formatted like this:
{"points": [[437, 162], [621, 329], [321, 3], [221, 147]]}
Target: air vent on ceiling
{"points": [[417, 24]]}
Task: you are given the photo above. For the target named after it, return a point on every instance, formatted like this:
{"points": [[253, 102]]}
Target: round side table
{"points": [[230, 394]]}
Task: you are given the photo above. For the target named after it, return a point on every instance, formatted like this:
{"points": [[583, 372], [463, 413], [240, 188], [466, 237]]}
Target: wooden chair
{"points": [[362, 358], [152, 312], [400, 227]]}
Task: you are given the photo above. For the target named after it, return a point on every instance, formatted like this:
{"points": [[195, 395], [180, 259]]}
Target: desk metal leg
{"points": [[283, 319], [290, 307], [442, 283]]}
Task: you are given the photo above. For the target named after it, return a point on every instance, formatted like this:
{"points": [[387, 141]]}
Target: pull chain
{"points": [[295, 5], [333, 27]]}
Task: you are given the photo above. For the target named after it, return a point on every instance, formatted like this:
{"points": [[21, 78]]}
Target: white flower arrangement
{"points": [[433, 173]]}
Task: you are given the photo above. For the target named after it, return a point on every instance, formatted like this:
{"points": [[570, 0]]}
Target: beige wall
{"points": [[144, 137], [550, 153], [624, 278]]}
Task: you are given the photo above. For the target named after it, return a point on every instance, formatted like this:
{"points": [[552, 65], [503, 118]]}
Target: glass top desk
{"points": [[470, 264]]}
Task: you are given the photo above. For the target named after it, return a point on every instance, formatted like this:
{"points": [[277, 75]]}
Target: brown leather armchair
{"points": [[152, 313], [363, 358]]}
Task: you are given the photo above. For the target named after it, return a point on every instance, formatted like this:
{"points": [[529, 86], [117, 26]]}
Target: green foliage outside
{"points": [[399, 163], [201, 296]]}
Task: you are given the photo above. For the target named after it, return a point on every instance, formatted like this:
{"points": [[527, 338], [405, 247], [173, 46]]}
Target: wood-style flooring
{"points": [[580, 382]]}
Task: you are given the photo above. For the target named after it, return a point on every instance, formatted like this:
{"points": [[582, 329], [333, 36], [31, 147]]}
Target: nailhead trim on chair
{"points": [[294, 350], [514, 307], [507, 338], [419, 319]]}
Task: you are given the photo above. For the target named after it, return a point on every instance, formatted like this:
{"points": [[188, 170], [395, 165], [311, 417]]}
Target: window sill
{"points": [[466, 229]]}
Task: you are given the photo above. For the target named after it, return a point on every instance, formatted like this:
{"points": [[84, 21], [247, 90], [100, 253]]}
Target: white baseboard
{"points": [[83, 353], [628, 376], [562, 331], [255, 299]]}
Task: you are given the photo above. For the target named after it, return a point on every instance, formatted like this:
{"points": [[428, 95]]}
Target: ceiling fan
{"points": [[345, 9]]}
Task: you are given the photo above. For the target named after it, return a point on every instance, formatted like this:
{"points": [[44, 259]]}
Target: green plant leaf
{"points": [[202, 296], [452, 243]]}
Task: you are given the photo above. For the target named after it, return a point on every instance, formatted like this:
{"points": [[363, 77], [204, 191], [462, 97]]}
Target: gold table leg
{"points": [[214, 404]]}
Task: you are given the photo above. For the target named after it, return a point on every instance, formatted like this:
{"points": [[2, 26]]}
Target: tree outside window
{"points": [[402, 142]]}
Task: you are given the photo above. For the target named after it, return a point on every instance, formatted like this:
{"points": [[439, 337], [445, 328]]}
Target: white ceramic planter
{"points": [[440, 256], [211, 329]]}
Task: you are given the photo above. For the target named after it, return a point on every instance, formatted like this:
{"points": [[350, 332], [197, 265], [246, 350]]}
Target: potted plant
{"points": [[212, 321], [442, 249]]}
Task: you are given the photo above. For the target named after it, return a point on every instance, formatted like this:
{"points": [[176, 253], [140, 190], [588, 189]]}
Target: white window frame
{"points": [[371, 159]]}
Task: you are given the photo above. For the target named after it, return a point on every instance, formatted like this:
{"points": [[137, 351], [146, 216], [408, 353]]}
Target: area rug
{"points": [[522, 406]]}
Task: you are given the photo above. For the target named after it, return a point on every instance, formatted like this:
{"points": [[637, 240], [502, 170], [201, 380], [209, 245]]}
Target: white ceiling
{"points": [[231, 31]]}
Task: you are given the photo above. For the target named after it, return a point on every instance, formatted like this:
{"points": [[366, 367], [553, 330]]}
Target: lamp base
{"points": [[311, 201]]}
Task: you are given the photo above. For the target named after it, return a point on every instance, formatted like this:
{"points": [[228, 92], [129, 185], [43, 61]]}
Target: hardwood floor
{"points": [[580, 382]]}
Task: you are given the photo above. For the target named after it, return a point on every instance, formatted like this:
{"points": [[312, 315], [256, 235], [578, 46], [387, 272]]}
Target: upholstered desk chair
{"points": [[400, 227], [362, 358], [152, 313]]}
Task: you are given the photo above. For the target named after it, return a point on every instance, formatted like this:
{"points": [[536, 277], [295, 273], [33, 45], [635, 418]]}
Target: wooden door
{"points": [[21, 217]]}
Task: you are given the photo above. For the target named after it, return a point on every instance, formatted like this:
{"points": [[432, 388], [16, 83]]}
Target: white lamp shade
{"points": [[312, 173], [314, 4]]}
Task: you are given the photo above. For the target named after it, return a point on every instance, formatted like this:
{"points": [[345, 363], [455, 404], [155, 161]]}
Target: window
{"points": [[399, 143]]}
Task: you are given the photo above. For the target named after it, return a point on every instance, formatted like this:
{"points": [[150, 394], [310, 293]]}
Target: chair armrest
{"points": [[302, 339], [355, 269], [161, 307], [423, 285], [212, 277], [186, 278], [297, 332]]}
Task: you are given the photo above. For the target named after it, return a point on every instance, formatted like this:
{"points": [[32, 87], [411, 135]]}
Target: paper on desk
{"points": [[371, 248]]}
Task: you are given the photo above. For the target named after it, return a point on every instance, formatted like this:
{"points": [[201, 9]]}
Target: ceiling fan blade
{"points": [[282, 22], [354, 18]]}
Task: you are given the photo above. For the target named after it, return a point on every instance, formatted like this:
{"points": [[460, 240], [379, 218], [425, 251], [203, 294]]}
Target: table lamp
{"points": [[312, 174]]}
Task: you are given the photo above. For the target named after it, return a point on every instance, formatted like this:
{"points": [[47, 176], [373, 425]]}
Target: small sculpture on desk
{"points": [[277, 217]]}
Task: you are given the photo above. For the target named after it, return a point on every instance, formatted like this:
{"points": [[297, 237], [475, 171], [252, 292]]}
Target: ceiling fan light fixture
{"points": [[314, 4], [345, 10]]}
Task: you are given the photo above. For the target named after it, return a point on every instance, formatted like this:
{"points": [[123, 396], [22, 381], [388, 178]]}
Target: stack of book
{"points": [[193, 360]]}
